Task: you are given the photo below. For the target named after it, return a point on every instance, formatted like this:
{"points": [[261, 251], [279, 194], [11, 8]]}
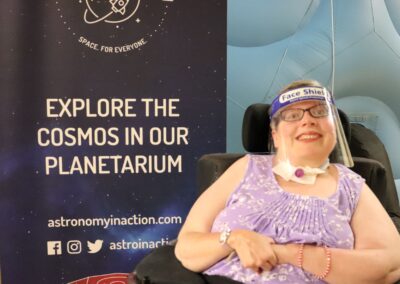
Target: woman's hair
{"points": [[292, 86]]}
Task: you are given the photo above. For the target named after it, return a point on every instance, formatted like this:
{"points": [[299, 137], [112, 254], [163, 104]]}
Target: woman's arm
{"points": [[375, 259], [360, 266], [197, 248]]}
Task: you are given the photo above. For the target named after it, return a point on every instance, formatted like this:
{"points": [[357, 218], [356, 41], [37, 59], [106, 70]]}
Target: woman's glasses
{"points": [[295, 114]]}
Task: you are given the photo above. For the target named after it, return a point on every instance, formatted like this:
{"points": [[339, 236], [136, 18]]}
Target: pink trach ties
{"points": [[299, 173]]}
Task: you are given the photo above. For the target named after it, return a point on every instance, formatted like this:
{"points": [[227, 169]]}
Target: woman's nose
{"points": [[308, 118]]}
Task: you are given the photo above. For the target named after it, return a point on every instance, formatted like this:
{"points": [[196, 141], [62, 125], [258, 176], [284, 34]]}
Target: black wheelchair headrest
{"points": [[256, 129]]}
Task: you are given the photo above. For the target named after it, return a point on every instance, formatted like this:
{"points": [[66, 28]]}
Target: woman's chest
{"points": [[287, 218]]}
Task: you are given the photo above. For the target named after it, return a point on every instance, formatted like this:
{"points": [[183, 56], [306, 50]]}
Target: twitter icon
{"points": [[94, 247]]}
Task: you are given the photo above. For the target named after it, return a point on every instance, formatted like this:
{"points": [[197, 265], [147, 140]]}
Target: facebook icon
{"points": [[54, 248]]}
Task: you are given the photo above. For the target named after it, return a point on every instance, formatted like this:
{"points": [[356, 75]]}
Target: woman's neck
{"points": [[304, 162]]}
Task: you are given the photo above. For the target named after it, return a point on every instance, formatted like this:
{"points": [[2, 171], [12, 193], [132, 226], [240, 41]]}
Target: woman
{"points": [[293, 217]]}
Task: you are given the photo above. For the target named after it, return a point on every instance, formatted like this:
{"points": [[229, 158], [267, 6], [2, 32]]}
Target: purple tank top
{"points": [[261, 205]]}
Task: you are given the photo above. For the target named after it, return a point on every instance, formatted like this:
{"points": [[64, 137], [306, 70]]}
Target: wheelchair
{"points": [[370, 161]]}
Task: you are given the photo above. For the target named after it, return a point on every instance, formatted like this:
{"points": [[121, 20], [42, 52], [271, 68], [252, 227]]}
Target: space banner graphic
{"points": [[106, 106]]}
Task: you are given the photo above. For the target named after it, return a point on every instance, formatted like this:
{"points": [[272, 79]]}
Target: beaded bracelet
{"points": [[300, 257], [328, 264]]}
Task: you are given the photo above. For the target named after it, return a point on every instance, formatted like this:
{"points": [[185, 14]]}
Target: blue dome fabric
{"points": [[273, 42]]}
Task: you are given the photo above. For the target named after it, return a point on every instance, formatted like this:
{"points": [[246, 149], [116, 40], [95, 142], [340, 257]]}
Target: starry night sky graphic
{"points": [[184, 56]]}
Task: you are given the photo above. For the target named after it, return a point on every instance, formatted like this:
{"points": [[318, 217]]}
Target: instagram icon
{"points": [[74, 247]]}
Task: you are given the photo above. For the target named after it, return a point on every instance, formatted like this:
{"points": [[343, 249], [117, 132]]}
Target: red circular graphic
{"points": [[113, 278]]}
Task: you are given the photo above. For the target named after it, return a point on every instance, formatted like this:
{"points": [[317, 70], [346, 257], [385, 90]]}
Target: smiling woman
{"points": [[293, 217]]}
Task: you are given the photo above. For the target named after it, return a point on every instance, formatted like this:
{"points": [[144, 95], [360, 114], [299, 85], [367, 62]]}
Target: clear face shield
{"points": [[306, 130]]}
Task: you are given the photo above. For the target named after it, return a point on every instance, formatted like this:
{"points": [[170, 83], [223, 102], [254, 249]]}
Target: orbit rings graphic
{"points": [[117, 7]]}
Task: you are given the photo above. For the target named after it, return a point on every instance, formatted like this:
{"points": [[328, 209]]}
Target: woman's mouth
{"points": [[309, 137]]}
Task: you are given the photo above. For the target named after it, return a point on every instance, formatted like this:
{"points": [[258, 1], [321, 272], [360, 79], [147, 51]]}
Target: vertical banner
{"points": [[105, 108]]}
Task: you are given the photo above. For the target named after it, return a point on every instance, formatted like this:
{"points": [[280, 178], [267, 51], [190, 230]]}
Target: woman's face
{"points": [[306, 142]]}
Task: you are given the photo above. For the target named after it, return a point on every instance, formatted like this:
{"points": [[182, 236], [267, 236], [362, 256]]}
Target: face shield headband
{"points": [[298, 95]]}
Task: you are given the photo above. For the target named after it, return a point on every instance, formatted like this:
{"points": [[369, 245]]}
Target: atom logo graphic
{"points": [[110, 11]]}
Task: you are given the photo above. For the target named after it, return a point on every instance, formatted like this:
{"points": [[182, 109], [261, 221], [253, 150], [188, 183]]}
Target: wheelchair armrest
{"points": [[375, 177], [162, 267]]}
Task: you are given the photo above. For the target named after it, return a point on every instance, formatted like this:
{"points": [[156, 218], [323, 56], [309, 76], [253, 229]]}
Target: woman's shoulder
{"points": [[238, 168], [250, 164], [260, 158], [348, 174], [251, 159], [351, 185]]}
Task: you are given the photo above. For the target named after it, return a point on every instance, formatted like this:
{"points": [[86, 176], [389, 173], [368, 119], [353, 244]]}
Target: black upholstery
{"points": [[365, 143], [162, 267], [371, 162], [211, 166], [256, 120], [172, 271]]}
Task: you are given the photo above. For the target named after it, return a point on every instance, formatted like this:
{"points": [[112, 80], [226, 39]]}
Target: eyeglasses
{"points": [[295, 114]]}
